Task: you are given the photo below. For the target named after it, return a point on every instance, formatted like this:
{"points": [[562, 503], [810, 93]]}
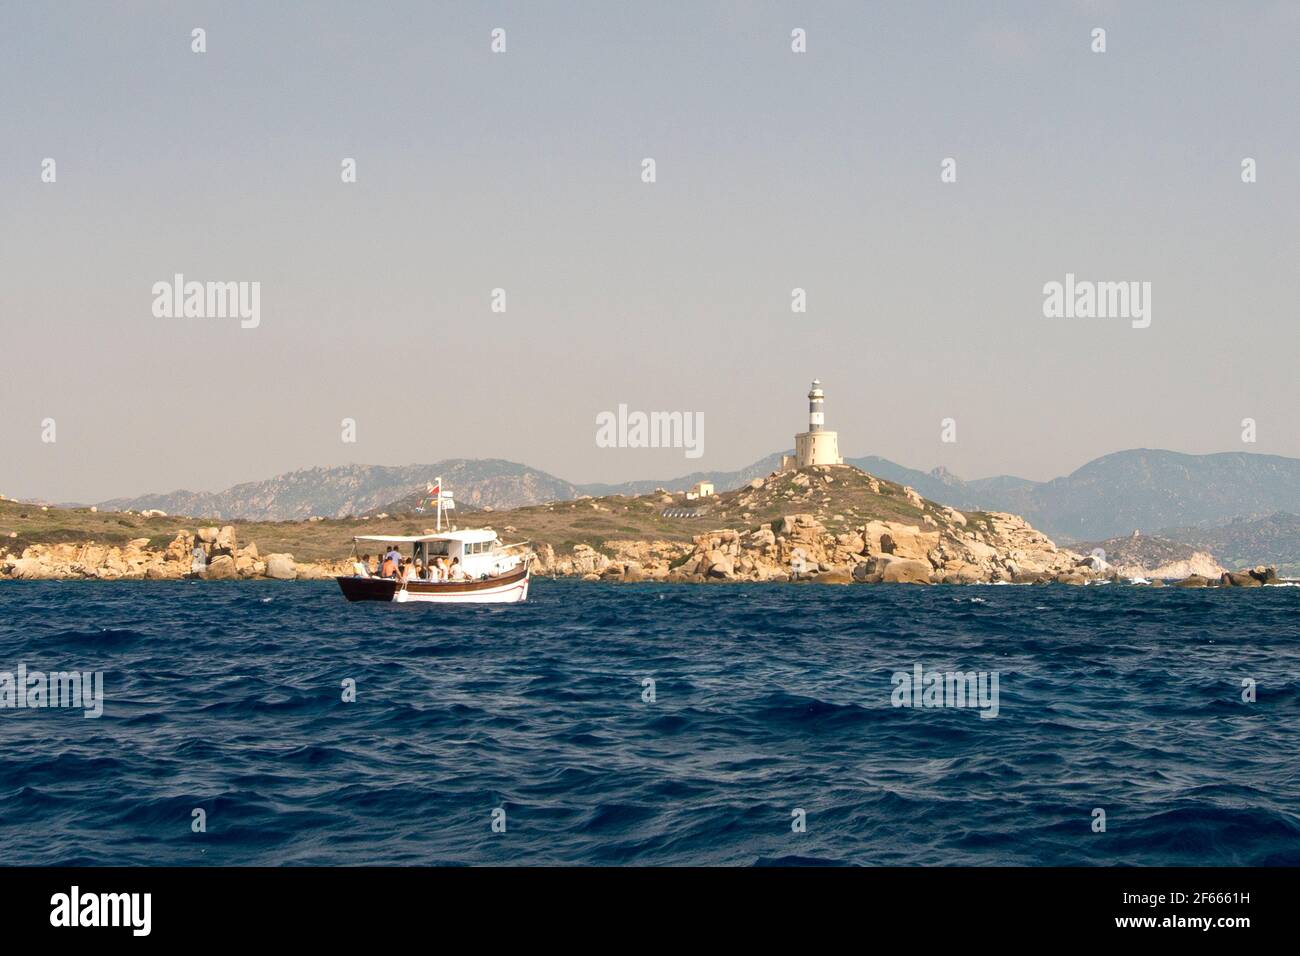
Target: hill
{"points": [[1152, 556], [1109, 497], [834, 523], [722, 480]]}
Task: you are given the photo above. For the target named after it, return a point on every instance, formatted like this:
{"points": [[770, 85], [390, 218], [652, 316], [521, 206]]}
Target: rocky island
{"points": [[827, 523]]}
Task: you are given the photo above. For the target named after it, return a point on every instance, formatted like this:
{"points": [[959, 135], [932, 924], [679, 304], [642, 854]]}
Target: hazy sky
{"points": [[522, 171]]}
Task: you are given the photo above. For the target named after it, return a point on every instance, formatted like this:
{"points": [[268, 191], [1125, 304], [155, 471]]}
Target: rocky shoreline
{"points": [[1007, 550], [1000, 549], [135, 561]]}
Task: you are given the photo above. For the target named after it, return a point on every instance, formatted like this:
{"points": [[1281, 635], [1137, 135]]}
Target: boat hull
{"points": [[507, 588]]}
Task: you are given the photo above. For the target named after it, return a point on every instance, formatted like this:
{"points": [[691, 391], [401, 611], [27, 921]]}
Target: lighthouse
{"points": [[816, 446]]}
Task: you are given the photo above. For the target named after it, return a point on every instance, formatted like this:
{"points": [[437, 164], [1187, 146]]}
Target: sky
{"points": [[523, 171]]}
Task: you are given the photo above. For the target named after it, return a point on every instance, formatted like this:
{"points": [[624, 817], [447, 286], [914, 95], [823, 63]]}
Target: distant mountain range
{"points": [[366, 489], [1112, 496], [359, 489], [1273, 540], [1141, 489]]}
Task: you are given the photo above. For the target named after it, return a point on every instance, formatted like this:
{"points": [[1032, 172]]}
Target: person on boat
{"points": [[408, 571], [457, 573], [389, 568], [361, 568]]}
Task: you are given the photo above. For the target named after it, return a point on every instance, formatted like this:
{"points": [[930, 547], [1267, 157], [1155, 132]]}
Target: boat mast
{"points": [[438, 485]]}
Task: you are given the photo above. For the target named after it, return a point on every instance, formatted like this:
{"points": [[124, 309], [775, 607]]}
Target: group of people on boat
{"points": [[394, 566]]}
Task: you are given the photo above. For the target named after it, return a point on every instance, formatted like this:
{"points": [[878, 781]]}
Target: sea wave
{"points": [[645, 724]]}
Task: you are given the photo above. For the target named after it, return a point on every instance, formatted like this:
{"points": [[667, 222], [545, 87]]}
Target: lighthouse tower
{"points": [[816, 400], [816, 446]]}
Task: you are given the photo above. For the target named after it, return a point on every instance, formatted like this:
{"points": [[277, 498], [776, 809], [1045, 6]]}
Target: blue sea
{"points": [[768, 700]]}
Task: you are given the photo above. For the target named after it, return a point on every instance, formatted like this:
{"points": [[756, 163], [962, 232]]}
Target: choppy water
{"points": [[227, 697]]}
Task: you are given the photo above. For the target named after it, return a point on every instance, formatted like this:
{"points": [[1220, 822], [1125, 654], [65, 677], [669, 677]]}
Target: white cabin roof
{"points": [[468, 536]]}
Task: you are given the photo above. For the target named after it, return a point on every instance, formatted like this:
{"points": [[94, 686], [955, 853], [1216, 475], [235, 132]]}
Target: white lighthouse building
{"points": [[816, 446]]}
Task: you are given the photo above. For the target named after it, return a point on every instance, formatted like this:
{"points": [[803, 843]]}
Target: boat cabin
{"points": [[480, 552]]}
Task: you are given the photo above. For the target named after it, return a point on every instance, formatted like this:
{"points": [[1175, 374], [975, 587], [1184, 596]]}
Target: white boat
{"points": [[491, 572]]}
